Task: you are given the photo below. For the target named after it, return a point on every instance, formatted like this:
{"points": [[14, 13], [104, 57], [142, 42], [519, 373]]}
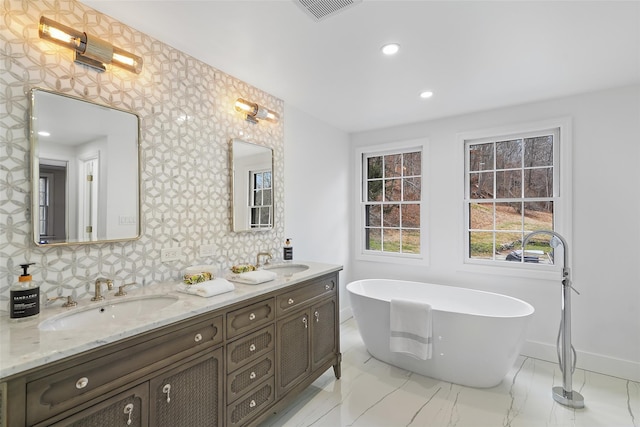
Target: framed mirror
{"points": [[251, 186], [85, 171]]}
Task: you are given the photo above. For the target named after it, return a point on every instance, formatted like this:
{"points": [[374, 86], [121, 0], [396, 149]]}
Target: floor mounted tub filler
{"points": [[476, 335]]}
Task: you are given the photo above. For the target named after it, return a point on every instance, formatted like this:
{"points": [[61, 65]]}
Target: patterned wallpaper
{"points": [[185, 164]]}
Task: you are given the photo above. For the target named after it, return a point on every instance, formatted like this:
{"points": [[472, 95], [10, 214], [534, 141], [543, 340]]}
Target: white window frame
{"points": [[562, 196], [361, 253]]}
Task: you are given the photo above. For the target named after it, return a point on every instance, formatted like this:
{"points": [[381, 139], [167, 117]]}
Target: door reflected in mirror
{"points": [[85, 171], [251, 186]]}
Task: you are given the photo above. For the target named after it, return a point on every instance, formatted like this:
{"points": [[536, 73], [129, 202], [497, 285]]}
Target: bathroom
{"points": [[604, 126]]}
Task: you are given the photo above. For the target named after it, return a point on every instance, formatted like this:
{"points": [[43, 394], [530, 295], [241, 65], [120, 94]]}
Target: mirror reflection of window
{"points": [[261, 195], [52, 188]]}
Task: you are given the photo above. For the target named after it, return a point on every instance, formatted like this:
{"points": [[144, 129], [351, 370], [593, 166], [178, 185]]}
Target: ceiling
{"points": [[473, 55]]}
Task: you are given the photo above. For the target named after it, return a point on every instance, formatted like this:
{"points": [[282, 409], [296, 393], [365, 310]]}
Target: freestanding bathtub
{"points": [[477, 335]]}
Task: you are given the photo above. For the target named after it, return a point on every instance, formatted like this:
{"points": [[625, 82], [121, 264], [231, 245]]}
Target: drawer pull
{"points": [[198, 338], [252, 347], [304, 320], [252, 376], [82, 383], [317, 315], [128, 410], [290, 301], [252, 404], [252, 316], [327, 287], [167, 390]]}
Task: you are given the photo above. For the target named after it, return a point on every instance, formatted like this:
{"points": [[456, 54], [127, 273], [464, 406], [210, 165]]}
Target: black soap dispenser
{"points": [[287, 250], [24, 299]]}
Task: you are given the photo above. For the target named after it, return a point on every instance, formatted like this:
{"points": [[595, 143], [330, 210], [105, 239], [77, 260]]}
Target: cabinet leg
{"points": [[337, 370]]}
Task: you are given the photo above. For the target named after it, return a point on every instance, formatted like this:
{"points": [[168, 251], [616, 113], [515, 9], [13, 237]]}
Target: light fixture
{"points": [[426, 94], [390, 48], [255, 112], [89, 50]]}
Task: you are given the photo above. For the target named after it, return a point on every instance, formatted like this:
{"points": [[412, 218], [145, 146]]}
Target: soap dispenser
{"points": [[287, 250], [24, 300]]}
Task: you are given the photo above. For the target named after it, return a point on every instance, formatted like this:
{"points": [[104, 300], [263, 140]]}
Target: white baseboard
{"points": [[345, 314], [599, 363]]}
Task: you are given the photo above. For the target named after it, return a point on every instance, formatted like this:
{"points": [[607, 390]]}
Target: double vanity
{"points": [[156, 357]]}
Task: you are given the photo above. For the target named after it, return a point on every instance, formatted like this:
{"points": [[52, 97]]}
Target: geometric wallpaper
{"points": [[185, 172]]}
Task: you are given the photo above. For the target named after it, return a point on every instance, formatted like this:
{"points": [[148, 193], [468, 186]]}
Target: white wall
{"points": [[606, 218], [317, 191]]}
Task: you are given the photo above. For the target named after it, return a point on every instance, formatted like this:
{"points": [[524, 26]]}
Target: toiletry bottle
{"points": [[287, 250], [24, 299]]}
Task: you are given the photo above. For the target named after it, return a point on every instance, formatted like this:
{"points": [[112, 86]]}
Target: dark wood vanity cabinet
{"points": [[231, 367]]}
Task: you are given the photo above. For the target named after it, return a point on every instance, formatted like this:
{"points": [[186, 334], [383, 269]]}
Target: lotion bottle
{"points": [[287, 251], [24, 299]]}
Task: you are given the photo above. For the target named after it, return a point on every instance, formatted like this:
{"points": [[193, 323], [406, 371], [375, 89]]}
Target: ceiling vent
{"points": [[321, 9]]}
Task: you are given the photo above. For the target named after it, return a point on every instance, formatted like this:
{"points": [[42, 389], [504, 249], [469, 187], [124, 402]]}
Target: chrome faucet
{"points": [[567, 358], [265, 254], [98, 285]]}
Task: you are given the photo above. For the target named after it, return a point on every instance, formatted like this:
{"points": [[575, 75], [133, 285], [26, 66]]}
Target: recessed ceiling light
{"points": [[426, 94], [44, 133], [391, 48]]}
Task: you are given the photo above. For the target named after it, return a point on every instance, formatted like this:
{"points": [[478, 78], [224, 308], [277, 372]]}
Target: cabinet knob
{"points": [[290, 301], [82, 383], [252, 316], [252, 404], [197, 338], [252, 347], [327, 287], [167, 390], [128, 410], [317, 315], [252, 376]]}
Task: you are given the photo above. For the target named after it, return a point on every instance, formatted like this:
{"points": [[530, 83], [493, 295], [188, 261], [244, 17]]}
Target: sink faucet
{"points": [[98, 284], [265, 254]]}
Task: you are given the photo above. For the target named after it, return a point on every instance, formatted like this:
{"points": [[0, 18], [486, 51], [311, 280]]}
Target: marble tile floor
{"points": [[374, 394]]}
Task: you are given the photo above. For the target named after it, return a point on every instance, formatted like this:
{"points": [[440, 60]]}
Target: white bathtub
{"points": [[477, 335]]}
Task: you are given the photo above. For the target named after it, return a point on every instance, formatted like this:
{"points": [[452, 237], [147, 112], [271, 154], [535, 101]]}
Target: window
{"points": [[43, 206], [511, 189], [391, 203], [261, 196]]}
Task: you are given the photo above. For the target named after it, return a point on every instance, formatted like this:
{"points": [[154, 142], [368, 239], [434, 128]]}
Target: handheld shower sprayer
{"points": [[567, 357]]}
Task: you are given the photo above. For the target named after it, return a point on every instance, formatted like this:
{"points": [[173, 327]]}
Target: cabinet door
{"points": [[190, 395], [125, 409], [293, 350], [323, 332]]}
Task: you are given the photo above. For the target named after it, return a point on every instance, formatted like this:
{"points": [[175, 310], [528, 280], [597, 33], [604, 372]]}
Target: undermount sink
{"points": [[110, 313], [286, 269]]}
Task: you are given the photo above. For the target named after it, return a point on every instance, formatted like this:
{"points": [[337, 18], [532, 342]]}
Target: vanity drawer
{"points": [[250, 317], [290, 301], [250, 347], [241, 412], [242, 380], [69, 387]]}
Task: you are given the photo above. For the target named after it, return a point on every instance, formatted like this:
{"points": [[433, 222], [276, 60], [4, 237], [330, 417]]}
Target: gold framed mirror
{"points": [[85, 171], [252, 191]]}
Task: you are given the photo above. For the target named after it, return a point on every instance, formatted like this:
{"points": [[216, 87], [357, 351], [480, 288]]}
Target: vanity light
{"points": [[89, 50], [255, 112]]}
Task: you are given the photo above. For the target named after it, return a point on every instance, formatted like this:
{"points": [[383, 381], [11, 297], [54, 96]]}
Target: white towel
{"points": [[254, 277], [411, 328], [207, 289]]}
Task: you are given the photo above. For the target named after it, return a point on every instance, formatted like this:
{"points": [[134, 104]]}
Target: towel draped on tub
{"points": [[411, 328]]}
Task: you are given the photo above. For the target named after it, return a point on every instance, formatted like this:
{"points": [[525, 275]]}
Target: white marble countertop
{"points": [[23, 346]]}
